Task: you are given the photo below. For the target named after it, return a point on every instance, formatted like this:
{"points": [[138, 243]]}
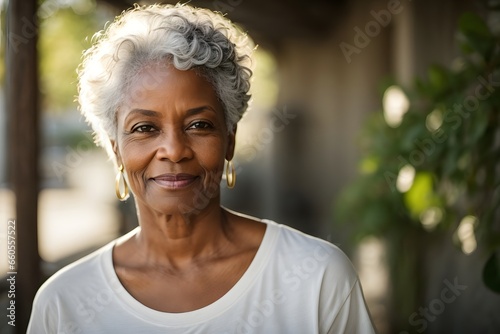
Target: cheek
{"points": [[214, 169], [211, 153], [210, 157], [136, 159]]}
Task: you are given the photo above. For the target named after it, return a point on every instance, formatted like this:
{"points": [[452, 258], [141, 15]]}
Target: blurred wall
{"points": [[323, 99], [332, 94], [328, 89]]}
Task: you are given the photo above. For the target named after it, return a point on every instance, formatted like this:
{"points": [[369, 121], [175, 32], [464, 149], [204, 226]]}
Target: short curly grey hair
{"points": [[185, 37]]}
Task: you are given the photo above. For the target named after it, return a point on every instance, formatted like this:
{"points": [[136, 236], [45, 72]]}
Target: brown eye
{"points": [[200, 125], [143, 128]]}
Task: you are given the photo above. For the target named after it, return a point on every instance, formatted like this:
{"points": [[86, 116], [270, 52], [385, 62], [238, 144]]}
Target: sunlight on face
{"points": [[172, 140]]}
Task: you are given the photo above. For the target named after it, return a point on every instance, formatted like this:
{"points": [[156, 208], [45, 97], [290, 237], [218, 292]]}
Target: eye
{"points": [[143, 128], [200, 125]]}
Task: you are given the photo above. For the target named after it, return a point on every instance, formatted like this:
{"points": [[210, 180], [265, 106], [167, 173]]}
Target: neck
{"points": [[176, 239]]}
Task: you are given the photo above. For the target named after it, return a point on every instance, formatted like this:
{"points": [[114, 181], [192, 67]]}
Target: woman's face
{"points": [[172, 140]]}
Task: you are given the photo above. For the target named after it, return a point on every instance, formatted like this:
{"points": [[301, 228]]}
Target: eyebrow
{"points": [[198, 110], [152, 113], [144, 112]]}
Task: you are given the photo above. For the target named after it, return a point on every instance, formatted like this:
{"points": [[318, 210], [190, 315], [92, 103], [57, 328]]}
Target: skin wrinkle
{"points": [[171, 133], [188, 250], [179, 261], [170, 122], [177, 32]]}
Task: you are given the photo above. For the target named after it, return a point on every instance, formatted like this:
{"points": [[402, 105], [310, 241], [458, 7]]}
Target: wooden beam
{"points": [[119, 4], [271, 20], [23, 114]]}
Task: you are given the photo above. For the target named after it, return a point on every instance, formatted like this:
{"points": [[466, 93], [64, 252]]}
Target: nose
{"points": [[173, 146]]}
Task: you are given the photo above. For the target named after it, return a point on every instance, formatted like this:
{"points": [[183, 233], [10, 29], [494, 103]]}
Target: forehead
{"points": [[160, 85]]}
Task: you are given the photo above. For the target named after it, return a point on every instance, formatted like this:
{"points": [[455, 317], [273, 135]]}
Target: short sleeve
{"points": [[353, 316], [342, 308], [38, 323]]}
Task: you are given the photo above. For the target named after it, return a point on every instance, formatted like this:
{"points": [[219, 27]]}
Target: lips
{"points": [[174, 181]]}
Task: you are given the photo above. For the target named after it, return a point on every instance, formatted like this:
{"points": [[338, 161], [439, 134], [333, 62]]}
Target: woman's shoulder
{"points": [[293, 246], [73, 276], [295, 237], [312, 252]]}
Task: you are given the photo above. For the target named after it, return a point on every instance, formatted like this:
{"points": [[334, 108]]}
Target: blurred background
{"points": [[373, 124]]}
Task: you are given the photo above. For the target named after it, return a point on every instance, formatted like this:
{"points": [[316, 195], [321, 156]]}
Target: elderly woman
{"points": [[163, 87]]}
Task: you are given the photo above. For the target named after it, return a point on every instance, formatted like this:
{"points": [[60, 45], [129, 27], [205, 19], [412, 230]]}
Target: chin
{"points": [[177, 205]]}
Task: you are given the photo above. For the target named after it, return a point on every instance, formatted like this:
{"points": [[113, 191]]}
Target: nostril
{"points": [[173, 148]]}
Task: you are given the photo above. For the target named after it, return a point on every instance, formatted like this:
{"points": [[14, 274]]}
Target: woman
{"points": [[163, 87]]}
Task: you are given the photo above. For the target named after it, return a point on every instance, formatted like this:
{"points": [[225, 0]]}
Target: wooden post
{"points": [[22, 111]]}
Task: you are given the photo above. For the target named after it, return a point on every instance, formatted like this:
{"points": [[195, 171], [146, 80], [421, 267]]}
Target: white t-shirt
{"points": [[296, 284]]}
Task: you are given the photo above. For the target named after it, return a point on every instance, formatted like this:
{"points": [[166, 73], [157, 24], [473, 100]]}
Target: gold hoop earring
{"points": [[230, 176], [121, 196]]}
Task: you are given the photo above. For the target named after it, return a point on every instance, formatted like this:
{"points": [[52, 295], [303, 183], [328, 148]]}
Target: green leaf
{"points": [[421, 195], [438, 78], [421, 87], [375, 217], [369, 165], [491, 273], [480, 124], [471, 22], [477, 34], [451, 161], [465, 47], [416, 130]]}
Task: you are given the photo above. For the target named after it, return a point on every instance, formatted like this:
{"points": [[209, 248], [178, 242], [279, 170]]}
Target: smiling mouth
{"points": [[174, 181]]}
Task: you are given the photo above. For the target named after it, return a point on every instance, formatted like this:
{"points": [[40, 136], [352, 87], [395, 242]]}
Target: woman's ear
{"points": [[118, 158], [231, 143]]}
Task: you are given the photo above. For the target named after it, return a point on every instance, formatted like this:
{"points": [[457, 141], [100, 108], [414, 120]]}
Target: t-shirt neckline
{"points": [[136, 308]]}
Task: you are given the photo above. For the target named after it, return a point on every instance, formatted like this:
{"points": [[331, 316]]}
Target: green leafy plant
{"points": [[64, 35], [437, 169]]}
